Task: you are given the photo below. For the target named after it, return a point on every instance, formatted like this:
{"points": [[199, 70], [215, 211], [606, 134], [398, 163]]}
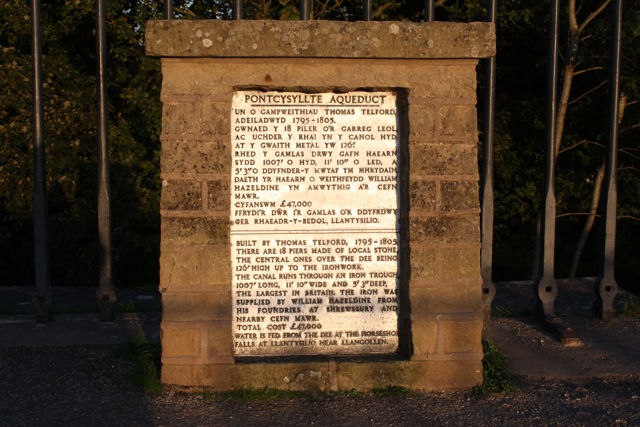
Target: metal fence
{"points": [[546, 287]]}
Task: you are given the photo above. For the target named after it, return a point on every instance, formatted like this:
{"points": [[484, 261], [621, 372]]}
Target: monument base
{"points": [[432, 68], [331, 375]]}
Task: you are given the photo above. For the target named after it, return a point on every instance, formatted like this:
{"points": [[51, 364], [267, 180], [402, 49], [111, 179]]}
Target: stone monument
{"points": [[320, 212]]}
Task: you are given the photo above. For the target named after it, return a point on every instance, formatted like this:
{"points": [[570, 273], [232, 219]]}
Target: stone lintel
{"points": [[320, 39]]}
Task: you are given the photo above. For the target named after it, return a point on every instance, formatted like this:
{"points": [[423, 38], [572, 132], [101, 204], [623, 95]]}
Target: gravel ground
{"points": [[69, 386]]}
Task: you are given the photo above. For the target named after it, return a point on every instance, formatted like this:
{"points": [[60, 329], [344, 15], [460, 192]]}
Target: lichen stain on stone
{"points": [[394, 29], [298, 40], [207, 42]]}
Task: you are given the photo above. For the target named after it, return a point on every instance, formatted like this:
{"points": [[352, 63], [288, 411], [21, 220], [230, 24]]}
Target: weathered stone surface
{"points": [[459, 263], [216, 266], [194, 156], [459, 121], [191, 306], [181, 195], [220, 339], [179, 269], [425, 336], [326, 39], [449, 299], [422, 195], [443, 159], [180, 342], [218, 195], [423, 263], [177, 118], [462, 336], [459, 195], [443, 229], [194, 230]]}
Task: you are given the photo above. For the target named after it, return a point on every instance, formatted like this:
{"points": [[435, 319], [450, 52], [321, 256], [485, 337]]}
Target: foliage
{"points": [[146, 364], [496, 376], [69, 94]]}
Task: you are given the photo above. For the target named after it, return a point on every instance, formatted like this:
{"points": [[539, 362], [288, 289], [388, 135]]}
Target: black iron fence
{"points": [[546, 287]]}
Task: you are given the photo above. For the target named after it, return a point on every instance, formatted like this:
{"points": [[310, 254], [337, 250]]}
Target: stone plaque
{"points": [[314, 213]]}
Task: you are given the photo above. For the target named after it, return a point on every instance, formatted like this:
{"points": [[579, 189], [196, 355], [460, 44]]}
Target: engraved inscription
{"points": [[314, 240]]}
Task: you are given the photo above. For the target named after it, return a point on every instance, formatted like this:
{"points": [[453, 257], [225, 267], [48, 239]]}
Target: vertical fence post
{"points": [[429, 10], [168, 9], [238, 9], [546, 286], [105, 294], [305, 10], [43, 297], [606, 287], [486, 252], [367, 10]]}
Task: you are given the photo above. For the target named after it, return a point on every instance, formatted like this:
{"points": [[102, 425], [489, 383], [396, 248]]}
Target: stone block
{"points": [[424, 336], [458, 121], [180, 342], [319, 39], [462, 336], [193, 306], [422, 120], [459, 263], [459, 196], [443, 159], [447, 82], [181, 195], [214, 118], [446, 299], [177, 118], [423, 263], [220, 339], [456, 374], [195, 156], [194, 231], [444, 229], [216, 265], [287, 376], [218, 195], [179, 269], [423, 195]]}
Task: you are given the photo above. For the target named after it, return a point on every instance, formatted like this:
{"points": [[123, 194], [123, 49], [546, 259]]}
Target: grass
{"points": [[146, 364], [496, 376], [632, 307]]}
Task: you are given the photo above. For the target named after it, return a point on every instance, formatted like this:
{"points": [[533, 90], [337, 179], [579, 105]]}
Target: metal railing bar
{"points": [[606, 287], [305, 10], [42, 297], [238, 9], [486, 252], [545, 283], [367, 10], [168, 9], [105, 294], [429, 10]]}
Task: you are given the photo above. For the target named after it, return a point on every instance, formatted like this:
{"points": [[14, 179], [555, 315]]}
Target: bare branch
{"points": [[625, 151], [629, 217], [588, 92], [587, 70], [584, 141], [594, 15], [575, 214]]}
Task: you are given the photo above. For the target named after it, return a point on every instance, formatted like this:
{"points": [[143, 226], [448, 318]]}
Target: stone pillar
{"points": [[434, 65]]}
